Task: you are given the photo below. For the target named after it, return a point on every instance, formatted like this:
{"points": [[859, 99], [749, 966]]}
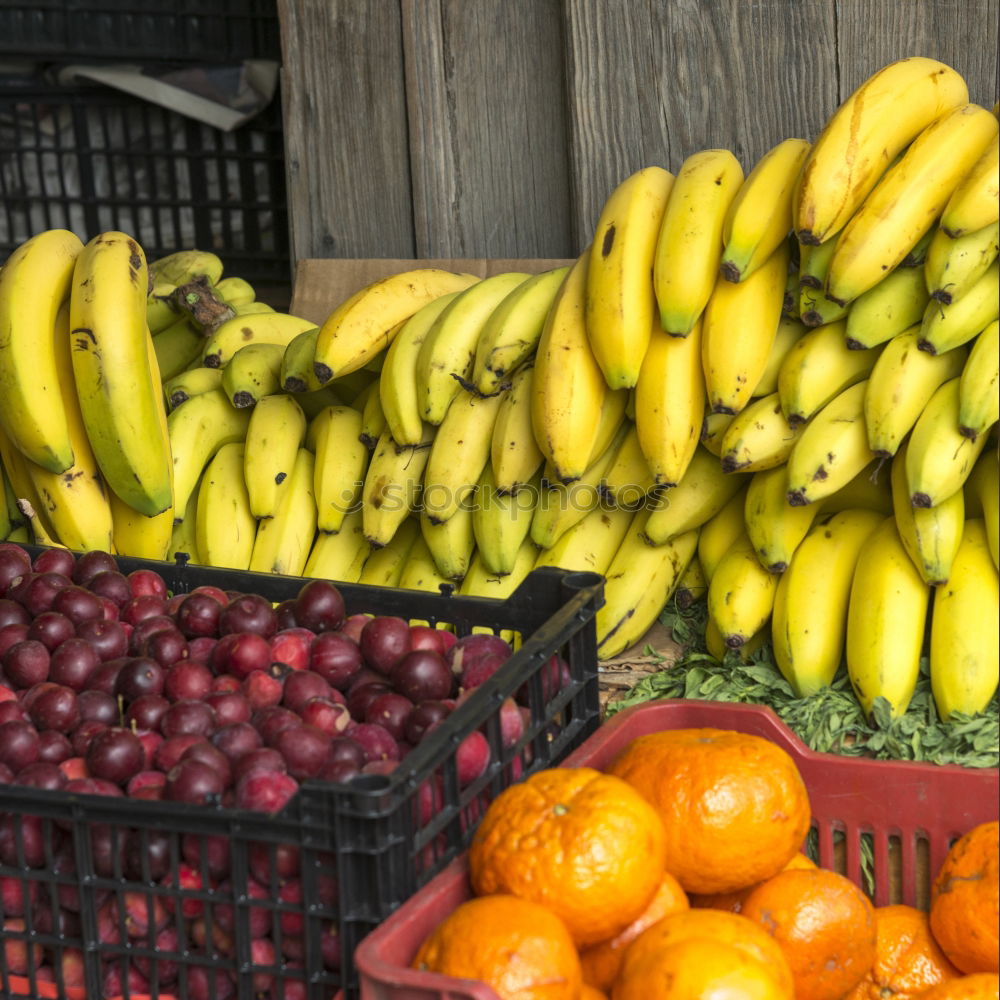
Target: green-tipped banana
{"points": [[235, 291], [190, 382], [953, 266], [947, 327], [978, 398], [892, 306], [252, 373], [160, 309]]}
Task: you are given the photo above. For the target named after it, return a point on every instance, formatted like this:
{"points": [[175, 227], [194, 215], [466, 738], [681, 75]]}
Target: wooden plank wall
{"points": [[496, 128]]}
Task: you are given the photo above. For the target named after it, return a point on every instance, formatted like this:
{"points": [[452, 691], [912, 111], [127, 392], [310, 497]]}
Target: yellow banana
{"points": [[297, 373], [975, 203], [185, 265], [819, 367], [774, 527], [790, 299], [501, 522], [904, 204], [760, 216], [397, 385], [481, 582], [880, 118], [392, 485], [628, 480], [917, 255], [283, 542], [8, 506], [809, 620], [978, 400], [953, 266], [713, 428], [459, 452], [639, 581], [34, 281], [831, 450], [930, 535], [621, 305], [568, 390], [188, 383], [339, 555], [815, 309], [235, 291], [590, 545], [225, 528], [732, 364], [178, 347], [420, 572], [121, 402], [275, 433], [689, 244], [135, 534], [384, 565], [867, 490], [511, 332], [514, 454], [315, 402], [692, 586], [364, 325], [269, 328], [814, 263], [183, 545], [160, 309], [250, 308], [613, 416], [899, 386], [452, 542], [740, 594], [721, 531], [759, 437], [702, 492], [333, 436], [448, 350], [790, 331], [890, 307], [670, 401], [252, 373], [982, 499], [373, 419], [886, 615], [946, 327], [939, 457]]}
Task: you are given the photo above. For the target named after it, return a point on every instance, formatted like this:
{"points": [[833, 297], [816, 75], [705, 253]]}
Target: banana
{"points": [[703, 491], [818, 368], [568, 390], [448, 351], [790, 299], [740, 594], [339, 555], [670, 401], [392, 485], [628, 480], [975, 203], [814, 264], [982, 499], [815, 309], [178, 347], [890, 307], [420, 572], [501, 522], [689, 244], [16, 467], [160, 309], [397, 386], [275, 432], [904, 204], [251, 308], [373, 418], [481, 582], [917, 255], [978, 400], [964, 661], [283, 542], [759, 437], [864, 491], [297, 373], [775, 527], [760, 216], [188, 383], [613, 416], [365, 324], [721, 531], [790, 331], [899, 386], [252, 373], [691, 587], [269, 328], [185, 265], [879, 119], [121, 402], [713, 428], [590, 545], [313, 403], [621, 305], [459, 452], [225, 528], [39, 532], [9, 514], [34, 282], [886, 615], [809, 619], [514, 454], [939, 457], [350, 385], [638, 583], [953, 266], [946, 327], [511, 332], [385, 564], [198, 429], [452, 542], [831, 450], [334, 437], [235, 291], [733, 365], [183, 546], [931, 535], [135, 534]]}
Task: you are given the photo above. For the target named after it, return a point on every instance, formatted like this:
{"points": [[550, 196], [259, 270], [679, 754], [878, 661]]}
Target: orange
{"points": [[720, 928], [588, 992], [907, 958], [601, 961], [978, 986], [824, 924], [734, 805], [733, 901], [520, 949], [696, 969], [585, 844], [965, 900]]}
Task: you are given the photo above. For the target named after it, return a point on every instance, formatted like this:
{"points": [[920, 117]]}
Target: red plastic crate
{"points": [[912, 812]]}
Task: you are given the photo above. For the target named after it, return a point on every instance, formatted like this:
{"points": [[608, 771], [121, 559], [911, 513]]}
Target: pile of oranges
{"points": [[677, 874]]}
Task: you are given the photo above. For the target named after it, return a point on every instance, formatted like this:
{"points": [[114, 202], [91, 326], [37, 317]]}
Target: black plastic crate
{"points": [[362, 847], [214, 31], [92, 159]]}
